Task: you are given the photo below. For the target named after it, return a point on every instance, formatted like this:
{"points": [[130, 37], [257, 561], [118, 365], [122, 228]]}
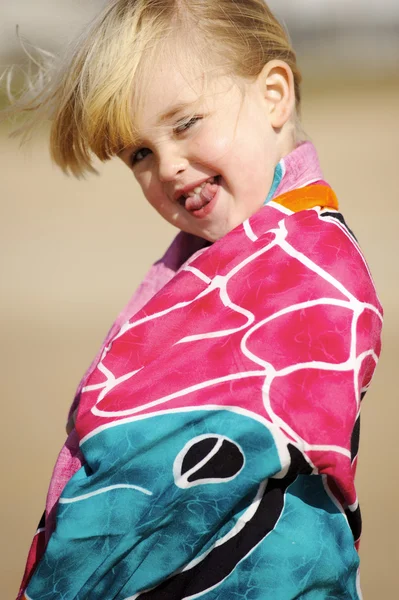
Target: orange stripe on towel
{"points": [[308, 197]]}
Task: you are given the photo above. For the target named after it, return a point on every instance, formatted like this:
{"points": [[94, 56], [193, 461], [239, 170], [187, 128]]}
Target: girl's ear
{"points": [[277, 84]]}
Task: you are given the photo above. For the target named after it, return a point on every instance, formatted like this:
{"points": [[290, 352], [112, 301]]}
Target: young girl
{"points": [[213, 441]]}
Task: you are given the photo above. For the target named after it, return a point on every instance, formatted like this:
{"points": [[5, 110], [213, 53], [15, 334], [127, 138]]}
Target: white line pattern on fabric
{"points": [[248, 231], [104, 490], [180, 393], [198, 273], [267, 370]]}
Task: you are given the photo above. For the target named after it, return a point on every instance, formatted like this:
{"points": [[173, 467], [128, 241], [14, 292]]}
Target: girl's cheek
{"points": [[143, 179], [217, 147], [152, 190]]}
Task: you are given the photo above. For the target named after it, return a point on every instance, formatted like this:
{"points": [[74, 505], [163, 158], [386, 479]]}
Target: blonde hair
{"points": [[90, 97]]}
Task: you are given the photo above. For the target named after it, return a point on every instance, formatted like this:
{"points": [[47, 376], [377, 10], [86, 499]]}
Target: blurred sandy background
{"points": [[73, 252]]}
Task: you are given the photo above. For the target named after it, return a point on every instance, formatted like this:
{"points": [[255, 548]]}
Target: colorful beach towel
{"points": [[219, 427]]}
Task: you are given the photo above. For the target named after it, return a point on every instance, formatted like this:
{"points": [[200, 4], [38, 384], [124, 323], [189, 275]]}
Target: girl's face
{"points": [[205, 163]]}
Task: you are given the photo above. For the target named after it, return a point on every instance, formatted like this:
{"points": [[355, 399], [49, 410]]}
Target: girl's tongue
{"points": [[200, 200]]}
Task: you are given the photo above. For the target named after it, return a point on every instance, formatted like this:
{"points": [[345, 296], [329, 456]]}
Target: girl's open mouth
{"points": [[201, 197]]}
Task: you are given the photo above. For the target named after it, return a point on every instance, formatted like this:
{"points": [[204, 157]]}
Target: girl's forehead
{"points": [[176, 70], [172, 89]]}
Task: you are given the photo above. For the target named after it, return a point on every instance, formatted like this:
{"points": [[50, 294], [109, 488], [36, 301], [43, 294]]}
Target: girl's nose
{"points": [[170, 167]]}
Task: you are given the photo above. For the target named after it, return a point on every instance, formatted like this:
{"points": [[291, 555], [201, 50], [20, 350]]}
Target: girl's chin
{"points": [[214, 232]]}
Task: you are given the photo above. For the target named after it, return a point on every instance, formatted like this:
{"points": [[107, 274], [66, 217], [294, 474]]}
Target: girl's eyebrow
{"points": [[172, 112]]}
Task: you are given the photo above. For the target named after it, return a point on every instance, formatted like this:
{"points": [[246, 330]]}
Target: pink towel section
{"points": [[301, 168], [69, 461]]}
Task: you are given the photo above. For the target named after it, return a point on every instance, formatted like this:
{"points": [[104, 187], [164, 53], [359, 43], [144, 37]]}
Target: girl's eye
{"points": [[186, 124], [140, 155]]}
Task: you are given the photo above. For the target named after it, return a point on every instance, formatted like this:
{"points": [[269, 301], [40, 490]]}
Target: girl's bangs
{"points": [[116, 125]]}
